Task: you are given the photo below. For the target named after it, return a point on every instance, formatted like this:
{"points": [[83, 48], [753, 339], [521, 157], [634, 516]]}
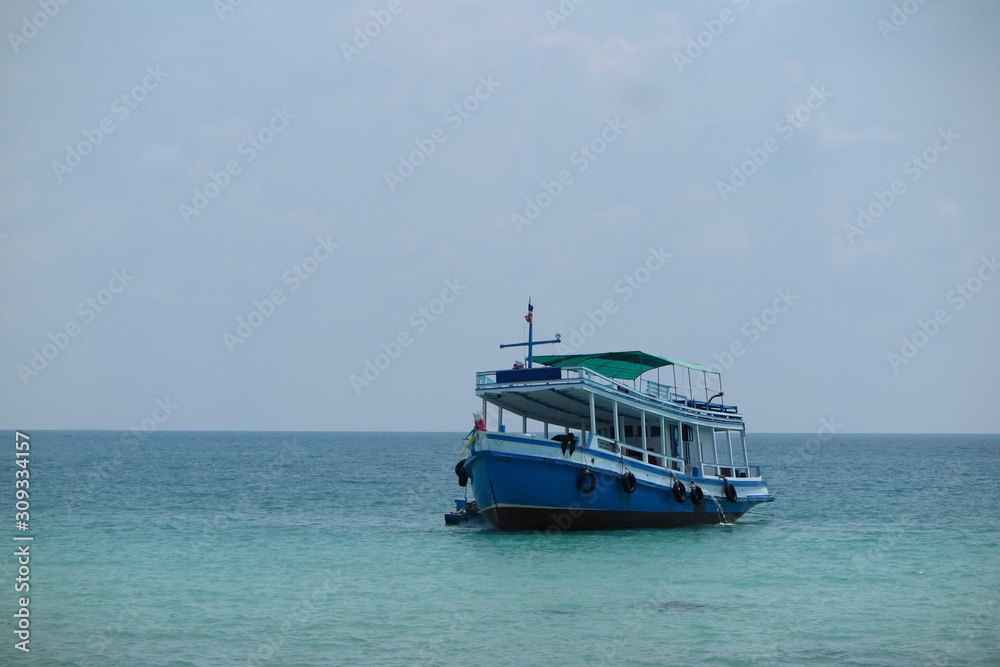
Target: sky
{"points": [[328, 216]]}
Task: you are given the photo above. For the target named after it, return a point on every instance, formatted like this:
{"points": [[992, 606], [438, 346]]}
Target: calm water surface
{"points": [[330, 548]]}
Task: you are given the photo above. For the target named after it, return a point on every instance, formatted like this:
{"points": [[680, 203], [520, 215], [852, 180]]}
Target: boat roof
{"points": [[618, 365]]}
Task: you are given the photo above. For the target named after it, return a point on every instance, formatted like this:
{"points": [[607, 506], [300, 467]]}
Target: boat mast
{"points": [[531, 335], [531, 328]]}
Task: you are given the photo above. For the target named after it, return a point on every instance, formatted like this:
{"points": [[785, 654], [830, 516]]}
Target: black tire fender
{"points": [[586, 483], [731, 494], [680, 493], [697, 495], [628, 482]]}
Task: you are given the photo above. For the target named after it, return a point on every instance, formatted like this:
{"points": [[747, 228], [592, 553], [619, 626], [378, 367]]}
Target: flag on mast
{"points": [[529, 316]]}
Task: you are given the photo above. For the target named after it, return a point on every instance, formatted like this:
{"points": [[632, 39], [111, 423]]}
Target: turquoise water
{"points": [[331, 548]]}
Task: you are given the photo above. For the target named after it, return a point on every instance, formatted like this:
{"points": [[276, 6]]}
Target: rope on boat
{"points": [[468, 443]]}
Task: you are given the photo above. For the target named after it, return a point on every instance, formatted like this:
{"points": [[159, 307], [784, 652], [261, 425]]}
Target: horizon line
{"points": [[220, 430]]}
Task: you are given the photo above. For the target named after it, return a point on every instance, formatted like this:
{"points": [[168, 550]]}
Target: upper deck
{"points": [[673, 425], [561, 396]]}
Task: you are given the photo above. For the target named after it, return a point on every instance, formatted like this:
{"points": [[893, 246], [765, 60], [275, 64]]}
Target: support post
{"points": [[697, 440], [681, 451], [665, 449], [617, 439], [746, 457], [593, 415], [642, 420], [729, 439]]}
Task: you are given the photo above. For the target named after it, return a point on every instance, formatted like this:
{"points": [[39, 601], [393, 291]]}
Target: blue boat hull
{"points": [[517, 492]]}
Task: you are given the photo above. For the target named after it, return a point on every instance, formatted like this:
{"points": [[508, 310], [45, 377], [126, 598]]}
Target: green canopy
{"points": [[618, 365]]}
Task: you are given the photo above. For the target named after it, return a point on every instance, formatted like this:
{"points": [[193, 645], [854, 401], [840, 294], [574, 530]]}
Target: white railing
{"points": [[639, 454], [663, 394], [729, 470]]}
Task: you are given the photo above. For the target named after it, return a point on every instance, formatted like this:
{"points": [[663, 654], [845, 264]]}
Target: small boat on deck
{"points": [[641, 441]]}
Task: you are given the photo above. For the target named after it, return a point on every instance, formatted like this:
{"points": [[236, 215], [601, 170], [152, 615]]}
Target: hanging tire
{"points": [[628, 482], [731, 495], [680, 493], [587, 483], [463, 477], [697, 495]]}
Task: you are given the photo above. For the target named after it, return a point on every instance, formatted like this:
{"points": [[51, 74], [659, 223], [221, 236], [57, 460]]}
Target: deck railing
{"points": [[650, 391], [639, 454], [651, 457], [729, 470]]}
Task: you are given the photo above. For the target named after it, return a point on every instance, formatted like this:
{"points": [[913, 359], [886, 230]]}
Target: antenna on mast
{"points": [[529, 318]]}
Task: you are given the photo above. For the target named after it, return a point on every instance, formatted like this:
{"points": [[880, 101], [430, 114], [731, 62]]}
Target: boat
{"points": [[466, 514], [617, 440]]}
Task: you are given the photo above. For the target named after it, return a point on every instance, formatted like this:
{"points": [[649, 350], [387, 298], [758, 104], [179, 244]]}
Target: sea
{"points": [[253, 548]]}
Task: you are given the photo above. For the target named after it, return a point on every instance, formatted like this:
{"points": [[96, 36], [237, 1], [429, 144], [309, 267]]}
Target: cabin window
{"points": [[654, 431], [688, 434], [628, 431]]}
